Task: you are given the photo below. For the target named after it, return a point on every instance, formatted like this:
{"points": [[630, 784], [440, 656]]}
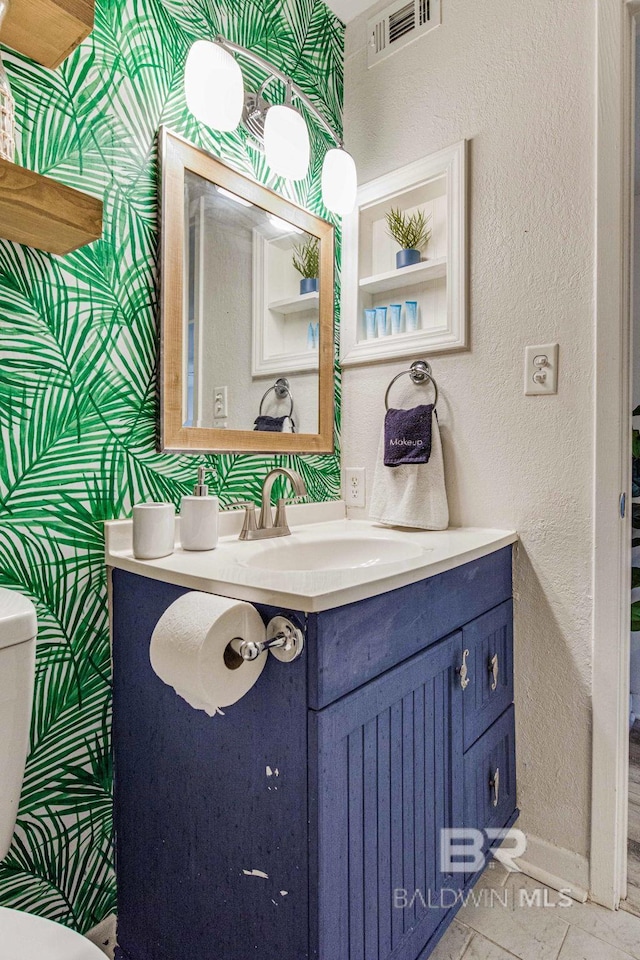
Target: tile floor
{"points": [[512, 916]]}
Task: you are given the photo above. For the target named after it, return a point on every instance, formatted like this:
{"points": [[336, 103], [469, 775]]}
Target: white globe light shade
{"points": [[213, 86], [286, 142], [339, 182]]}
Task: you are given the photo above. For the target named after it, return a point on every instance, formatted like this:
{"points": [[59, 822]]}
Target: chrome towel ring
{"points": [[282, 389], [420, 373]]}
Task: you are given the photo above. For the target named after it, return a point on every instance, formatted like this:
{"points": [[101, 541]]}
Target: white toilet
{"points": [[23, 936]]}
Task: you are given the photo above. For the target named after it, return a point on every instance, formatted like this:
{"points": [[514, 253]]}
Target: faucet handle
{"points": [[283, 503], [249, 517]]}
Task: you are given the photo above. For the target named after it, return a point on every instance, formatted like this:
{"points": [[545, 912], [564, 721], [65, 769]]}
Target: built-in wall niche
{"points": [[285, 321], [436, 285]]}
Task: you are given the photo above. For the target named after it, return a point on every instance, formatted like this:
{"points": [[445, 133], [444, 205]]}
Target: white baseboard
{"points": [[104, 935], [557, 868]]}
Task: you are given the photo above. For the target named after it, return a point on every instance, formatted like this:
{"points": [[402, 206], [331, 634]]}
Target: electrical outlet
{"points": [[355, 492], [220, 403]]}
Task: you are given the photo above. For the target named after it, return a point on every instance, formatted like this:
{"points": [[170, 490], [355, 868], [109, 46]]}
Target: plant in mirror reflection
{"points": [[306, 258]]}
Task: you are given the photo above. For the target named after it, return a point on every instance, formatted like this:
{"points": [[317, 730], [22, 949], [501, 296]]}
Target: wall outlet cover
{"points": [[355, 492]]}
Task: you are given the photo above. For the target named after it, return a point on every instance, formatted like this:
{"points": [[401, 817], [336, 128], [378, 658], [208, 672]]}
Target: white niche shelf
{"points": [[299, 304], [281, 314], [436, 185], [409, 276]]}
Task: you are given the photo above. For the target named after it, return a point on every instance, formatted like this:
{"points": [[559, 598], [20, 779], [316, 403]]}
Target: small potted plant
{"points": [[411, 232], [306, 260]]}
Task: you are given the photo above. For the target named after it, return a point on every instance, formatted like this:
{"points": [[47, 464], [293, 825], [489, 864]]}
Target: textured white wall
{"points": [[518, 80]]}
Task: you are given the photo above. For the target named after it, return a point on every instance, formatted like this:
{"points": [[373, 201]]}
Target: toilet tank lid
{"points": [[18, 621]]}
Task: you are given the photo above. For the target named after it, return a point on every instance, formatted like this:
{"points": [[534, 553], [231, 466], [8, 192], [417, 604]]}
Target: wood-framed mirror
{"points": [[247, 312]]}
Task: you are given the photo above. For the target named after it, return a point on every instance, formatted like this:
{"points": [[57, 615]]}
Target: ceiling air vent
{"points": [[401, 23]]}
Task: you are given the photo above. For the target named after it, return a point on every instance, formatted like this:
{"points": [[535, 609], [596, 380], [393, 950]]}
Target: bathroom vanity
{"points": [[305, 822]]}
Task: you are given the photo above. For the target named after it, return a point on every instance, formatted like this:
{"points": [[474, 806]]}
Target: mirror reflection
{"points": [[252, 320]]}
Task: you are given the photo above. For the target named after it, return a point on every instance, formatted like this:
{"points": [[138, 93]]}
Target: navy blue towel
{"points": [[270, 424], [407, 436]]}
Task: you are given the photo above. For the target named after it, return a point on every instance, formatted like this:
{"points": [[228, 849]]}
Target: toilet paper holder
{"points": [[284, 639]]}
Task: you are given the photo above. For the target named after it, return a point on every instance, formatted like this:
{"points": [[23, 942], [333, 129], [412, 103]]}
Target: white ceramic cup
{"points": [[154, 530]]}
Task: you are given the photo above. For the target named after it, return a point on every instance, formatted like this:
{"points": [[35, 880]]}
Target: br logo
{"points": [[464, 850]]}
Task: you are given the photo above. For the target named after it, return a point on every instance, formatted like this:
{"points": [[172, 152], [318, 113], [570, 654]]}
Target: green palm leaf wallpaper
{"points": [[78, 339]]}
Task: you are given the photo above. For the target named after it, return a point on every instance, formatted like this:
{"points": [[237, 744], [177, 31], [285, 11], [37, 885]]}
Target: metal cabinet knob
{"points": [[494, 784], [464, 671], [494, 670]]}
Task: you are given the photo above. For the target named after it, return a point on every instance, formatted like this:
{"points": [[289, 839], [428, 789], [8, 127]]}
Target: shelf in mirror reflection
{"points": [[406, 277], [297, 304]]}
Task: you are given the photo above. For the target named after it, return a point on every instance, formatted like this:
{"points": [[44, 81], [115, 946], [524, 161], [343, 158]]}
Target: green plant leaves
{"points": [[306, 258], [410, 232], [78, 355]]}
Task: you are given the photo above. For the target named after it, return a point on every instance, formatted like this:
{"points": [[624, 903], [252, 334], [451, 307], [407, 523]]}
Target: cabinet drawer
{"points": [[489, 642], [353, 644], [490, 776]]}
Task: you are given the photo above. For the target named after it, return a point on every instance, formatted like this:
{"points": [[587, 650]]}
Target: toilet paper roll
{"points": [[189, 644]]}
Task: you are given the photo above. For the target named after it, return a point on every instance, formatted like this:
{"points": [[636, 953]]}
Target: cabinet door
{"points": [[388, 779], [489, 640]]}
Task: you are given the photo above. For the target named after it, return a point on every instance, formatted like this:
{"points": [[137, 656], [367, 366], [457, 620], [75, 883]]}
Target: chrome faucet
{"points": [[266, 526]]}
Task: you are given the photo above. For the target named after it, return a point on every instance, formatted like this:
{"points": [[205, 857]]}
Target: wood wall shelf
{"points": [[47, 31], [45, 214]]}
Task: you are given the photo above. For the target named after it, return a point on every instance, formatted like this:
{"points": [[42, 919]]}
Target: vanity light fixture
{"points": [[286, 140], [234, 197], [214, 86], [215, 95], [339, 181]]}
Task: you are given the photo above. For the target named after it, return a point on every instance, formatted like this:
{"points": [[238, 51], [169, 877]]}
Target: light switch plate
{"points": [[220, 403], [541, 370]]}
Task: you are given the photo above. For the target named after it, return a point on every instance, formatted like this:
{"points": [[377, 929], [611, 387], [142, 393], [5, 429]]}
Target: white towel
{"points": [[412, 495]]}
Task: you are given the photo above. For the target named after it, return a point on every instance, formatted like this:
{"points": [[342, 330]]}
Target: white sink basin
{"points": [[337, 553], [328, 561]]}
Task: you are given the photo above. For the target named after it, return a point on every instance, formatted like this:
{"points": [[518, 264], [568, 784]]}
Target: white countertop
{"points": [[224, 571]]}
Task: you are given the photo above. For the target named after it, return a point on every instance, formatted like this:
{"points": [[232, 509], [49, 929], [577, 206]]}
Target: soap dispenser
{"points": [[199, 517]]}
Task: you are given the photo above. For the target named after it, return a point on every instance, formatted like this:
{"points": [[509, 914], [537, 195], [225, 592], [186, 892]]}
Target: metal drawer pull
{"points": [[493, 669], [464, 671], [494, 784]]}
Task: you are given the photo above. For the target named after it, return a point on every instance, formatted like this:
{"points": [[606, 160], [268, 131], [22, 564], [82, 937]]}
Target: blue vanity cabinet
{"points": [[305, 823]]}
